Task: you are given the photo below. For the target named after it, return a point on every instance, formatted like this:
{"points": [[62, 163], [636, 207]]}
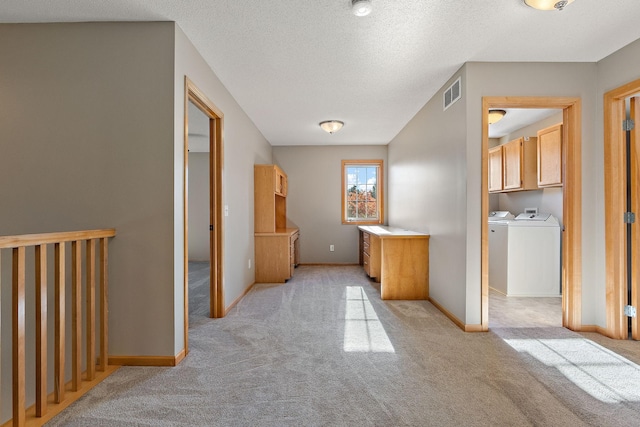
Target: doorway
{"points": [[214, 119], [622, 240], [521, 295], [571, 201]]}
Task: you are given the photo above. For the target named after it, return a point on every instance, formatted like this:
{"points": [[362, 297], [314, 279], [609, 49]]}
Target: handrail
{"points": [[18, 245], [10, 242]]}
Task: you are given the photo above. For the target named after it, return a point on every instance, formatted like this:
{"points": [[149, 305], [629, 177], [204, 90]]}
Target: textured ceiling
{"points": [[291, 64]]}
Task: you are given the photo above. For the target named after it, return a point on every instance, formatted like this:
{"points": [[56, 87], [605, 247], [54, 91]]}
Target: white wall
{"points": [[428, 192], [244, 146], [314, 198], [86, 137], [198, 179]]}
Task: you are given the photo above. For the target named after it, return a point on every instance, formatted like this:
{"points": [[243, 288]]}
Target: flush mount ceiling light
{"points": [[331, 126], [361, 7], [548, 4], [496, 116]]}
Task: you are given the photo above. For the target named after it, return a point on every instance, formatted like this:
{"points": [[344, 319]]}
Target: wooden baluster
{"points": [[90, 309], [76, 314], [19, 414], [59, 356], [104, 311], [41, 330]]}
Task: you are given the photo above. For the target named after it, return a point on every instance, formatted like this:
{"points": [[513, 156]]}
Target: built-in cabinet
{"points": [[519, 165], [495, 169], [276, 246], [396, 258], [527, 163], [550, 156]]}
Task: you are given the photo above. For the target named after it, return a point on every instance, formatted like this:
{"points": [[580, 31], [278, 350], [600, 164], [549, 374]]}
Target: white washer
{"points": [[533, 256], [498, 251]]}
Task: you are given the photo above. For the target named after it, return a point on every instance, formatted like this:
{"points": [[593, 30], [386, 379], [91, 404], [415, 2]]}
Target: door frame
{"points": [[615, 205], [216, 144], [571, 281]]}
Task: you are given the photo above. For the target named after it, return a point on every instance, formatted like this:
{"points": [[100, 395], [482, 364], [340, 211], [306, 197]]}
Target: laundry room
{"points": [[525, 216]]}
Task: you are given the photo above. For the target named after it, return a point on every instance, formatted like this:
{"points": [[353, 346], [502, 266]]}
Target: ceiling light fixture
{"points": [[331, 126], [361, 7], [548, 4], [496, 116]]}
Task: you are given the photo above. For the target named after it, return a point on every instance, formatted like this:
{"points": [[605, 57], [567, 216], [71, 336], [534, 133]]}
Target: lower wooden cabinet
{"points": [[276, 255], [398, 259], [371, 255]]}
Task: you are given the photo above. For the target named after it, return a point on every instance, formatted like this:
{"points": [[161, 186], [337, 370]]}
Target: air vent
{"points": [[452, 94]]}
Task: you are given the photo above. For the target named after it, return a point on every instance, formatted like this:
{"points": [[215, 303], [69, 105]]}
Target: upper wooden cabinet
{"points": [[270, 191], [495, 169], [519, 165], [550, 156], [280, 181]]}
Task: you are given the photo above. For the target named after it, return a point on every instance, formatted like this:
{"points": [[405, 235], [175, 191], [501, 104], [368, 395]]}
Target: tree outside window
{"points": [[362, 200]]}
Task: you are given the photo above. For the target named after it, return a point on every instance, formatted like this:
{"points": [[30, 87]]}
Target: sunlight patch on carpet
{"points": [[363, 331], [598, 371]]}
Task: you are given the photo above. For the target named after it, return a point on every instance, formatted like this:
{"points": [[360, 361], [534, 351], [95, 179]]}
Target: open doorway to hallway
{"points": [[198, 215], [208, 227], [622, 203]]}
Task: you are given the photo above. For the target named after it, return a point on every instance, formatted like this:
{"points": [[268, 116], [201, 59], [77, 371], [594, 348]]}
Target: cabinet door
{"points": [[495, 169], [512, 153], [281, 182], [550, 156]]}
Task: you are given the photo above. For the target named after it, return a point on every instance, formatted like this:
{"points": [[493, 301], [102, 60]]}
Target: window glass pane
{"points": [[361, 192], [372, 174], [351, 210], [352, 177]]}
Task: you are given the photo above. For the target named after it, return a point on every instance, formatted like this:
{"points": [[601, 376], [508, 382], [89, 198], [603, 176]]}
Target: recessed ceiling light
{"points": [[361, 7], [548, 4]]}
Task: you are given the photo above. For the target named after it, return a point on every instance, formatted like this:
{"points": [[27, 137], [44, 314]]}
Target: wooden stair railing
{"points": [[40, 412]]}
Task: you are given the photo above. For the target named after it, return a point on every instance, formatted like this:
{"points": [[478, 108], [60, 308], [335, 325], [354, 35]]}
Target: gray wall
{"points": [[427, 192], [198, 180], [614, 71], [534, 79], [91, 136], [314, 198], [86, 137], [244, 145]]}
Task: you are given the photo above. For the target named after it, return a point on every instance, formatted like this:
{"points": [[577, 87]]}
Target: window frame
{"points": [[379, 163]]}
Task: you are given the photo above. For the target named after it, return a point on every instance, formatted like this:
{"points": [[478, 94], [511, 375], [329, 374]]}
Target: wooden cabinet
{"points": [[276, 246], [270, 199], [519, 160], [371, 255], [550, 156], [397, 259], [495, 169], [276, 255]]}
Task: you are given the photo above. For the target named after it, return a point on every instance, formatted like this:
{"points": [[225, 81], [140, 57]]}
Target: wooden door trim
{"points": [[572, 202], [615, 206], [216, 144]]}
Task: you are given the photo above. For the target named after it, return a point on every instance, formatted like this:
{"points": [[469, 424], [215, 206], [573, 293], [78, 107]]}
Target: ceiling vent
{"points": [[452, 94]]}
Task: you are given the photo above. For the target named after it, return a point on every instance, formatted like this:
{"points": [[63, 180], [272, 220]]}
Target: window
{"points": [[362, 192]]}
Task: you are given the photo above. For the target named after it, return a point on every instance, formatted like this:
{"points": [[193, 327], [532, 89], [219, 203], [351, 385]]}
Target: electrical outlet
{"points": [[249, 265], [331, 248]]}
